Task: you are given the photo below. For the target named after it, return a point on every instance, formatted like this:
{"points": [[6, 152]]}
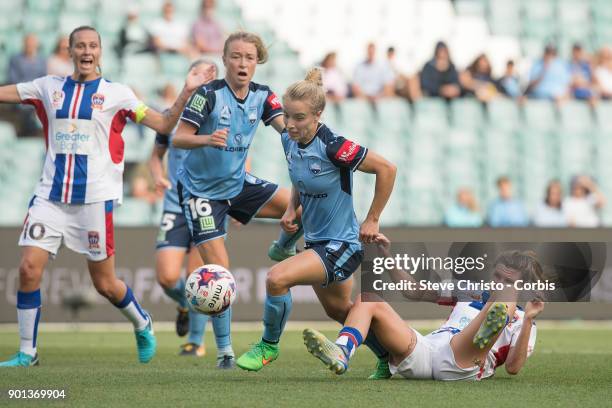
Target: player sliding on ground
{"points": [[477, 338], [83, 116], [321, 164]]}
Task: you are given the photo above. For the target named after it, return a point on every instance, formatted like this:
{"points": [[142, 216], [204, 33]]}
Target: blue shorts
{"points": [[173, 232], [341, 259], [206, 218]]}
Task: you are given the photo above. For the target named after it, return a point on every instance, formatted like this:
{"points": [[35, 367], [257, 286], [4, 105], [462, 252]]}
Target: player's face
{"points": [[300, 121], [86, 52], [240, 62]]}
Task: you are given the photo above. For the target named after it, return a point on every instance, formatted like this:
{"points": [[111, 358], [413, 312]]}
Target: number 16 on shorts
{"points": [[201, 212]]}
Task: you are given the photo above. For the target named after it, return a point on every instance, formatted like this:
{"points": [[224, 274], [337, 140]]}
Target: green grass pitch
{"points": [[570, 368]]}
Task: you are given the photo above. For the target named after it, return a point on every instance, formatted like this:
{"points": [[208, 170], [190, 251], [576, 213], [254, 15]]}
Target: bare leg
{"points": [[168, 263], [214, 252], [303, 269], [105, 281], [466, 353], [336, 299], [391, 331], [31, 267]]}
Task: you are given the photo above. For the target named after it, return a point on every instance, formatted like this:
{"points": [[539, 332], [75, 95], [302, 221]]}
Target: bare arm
{"points": [[156, 167], [288, 220], [398, 275], [517, 356], [165, 122], [385, 178], [278, 123], [9, 94], [186, 138]]}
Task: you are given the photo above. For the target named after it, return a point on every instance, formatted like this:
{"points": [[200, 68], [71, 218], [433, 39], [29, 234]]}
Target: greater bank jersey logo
{"points": [[70, 138]]}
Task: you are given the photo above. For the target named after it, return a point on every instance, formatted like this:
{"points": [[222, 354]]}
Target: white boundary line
{"points": [[291, 326]]}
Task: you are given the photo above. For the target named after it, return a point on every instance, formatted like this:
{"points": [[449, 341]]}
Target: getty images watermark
{"points": [[464, 271]]}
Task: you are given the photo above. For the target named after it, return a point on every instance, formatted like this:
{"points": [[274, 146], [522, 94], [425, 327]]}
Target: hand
{"points": [[162, 184], [383, 243], [195, 80], [287, 222], [368, 231], [533, 308], [218, 138]]}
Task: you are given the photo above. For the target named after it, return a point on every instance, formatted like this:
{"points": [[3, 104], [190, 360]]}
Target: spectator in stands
{"points": [[582, 85], [506, 211], [60, 63], [28, 64], [477, 80], [23, 67], [133, 36], [549, 77], [169, 35], [439, 78], [334, 83], [207, 33], [603, 73], [581, 206], [463, 213], [549, 213], [371, 79], [510, 83]]}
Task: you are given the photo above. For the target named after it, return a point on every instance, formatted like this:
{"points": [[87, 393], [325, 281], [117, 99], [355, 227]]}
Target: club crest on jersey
{"points": [[94, 239], [57, 99], [314, 164], [238, 139], [97, 100], [252, 115], [273, 101], [225, 116]]}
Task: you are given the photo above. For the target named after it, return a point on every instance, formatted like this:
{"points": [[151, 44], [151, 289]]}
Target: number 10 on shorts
{"points": [[201, 212]]}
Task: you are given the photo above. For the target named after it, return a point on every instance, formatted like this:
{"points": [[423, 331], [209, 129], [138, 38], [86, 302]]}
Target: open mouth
{"points": [[87, 62], [243, 74]]}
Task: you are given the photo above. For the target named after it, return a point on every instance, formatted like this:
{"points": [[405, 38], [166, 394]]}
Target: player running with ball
{"points": [[83, 116], [217, 128], [321, 164], [478, 336]]}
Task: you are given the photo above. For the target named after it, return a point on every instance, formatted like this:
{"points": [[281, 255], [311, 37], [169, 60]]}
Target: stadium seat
{"points": [[603, 112], [471, 8], [576, 116], [51, 6], [173, 64], [8, 134], [540, 114], [137, 148], [431, 114], [467, 113], [503, 113]]}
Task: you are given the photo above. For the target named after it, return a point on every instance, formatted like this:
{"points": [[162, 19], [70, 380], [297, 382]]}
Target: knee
{"points": [[338, 311], [104, 288], [276, 281], [29, 271], [165, 281]]}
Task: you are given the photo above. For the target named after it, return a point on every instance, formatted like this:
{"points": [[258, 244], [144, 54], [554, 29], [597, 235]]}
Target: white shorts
{"points": [[418, 365], [434, 353], [84, 228]]}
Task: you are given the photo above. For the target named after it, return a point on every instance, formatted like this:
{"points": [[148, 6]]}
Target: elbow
{"points": [[512, 369]]}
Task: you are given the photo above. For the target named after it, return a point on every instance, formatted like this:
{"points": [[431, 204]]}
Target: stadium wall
{"points": [[249, 263]]}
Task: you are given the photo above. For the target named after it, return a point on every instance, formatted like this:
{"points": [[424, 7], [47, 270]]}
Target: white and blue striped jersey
{"points": [[82, 123], [217, 173], [322, 174]]}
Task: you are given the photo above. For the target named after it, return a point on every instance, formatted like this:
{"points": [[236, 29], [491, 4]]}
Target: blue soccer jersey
{"points": [[217, 173], [322, 174], [175, 158]]}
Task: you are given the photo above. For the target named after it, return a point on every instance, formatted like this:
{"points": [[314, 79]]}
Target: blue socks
{"points": [[276, 313], [349, 338], [28, 316], [177, 293], [223, 337], [372, 342], [131, 309], [197, 327], [287, 240]]}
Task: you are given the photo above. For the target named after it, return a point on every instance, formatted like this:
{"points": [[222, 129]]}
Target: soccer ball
{"points": [[210, 289]]}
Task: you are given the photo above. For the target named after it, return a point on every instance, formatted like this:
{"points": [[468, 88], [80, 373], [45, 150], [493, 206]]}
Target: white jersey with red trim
{"points": [[82, 122], [463, 313]]}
